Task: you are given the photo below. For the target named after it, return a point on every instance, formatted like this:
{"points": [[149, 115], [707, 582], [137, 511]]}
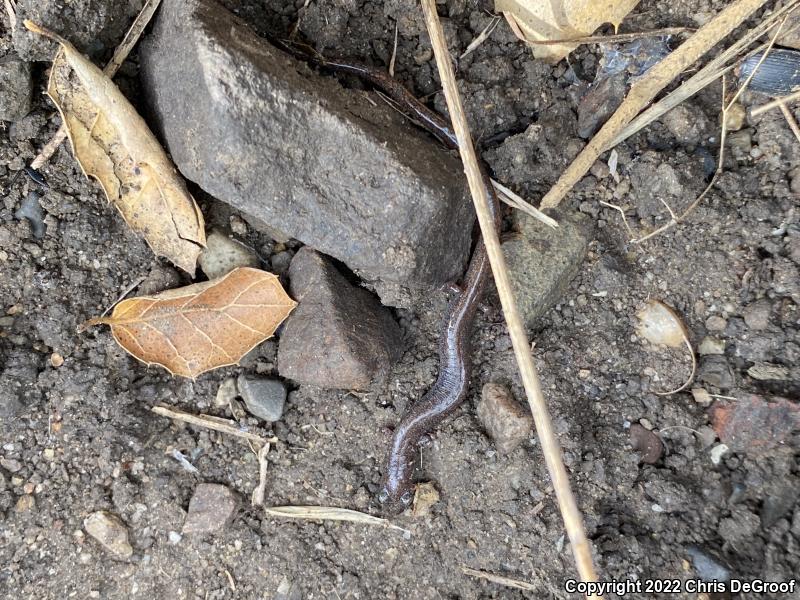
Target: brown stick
{"points": [[645, 89], [120, 54], [530, 378], [210, 422]]}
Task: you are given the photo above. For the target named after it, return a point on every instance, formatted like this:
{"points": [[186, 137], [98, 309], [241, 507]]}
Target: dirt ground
{"points": [[81, 437]]}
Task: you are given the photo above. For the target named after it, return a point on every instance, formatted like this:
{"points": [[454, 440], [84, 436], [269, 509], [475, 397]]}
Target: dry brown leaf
{"points": [[200, 327], [536, 20], [113, 144]]}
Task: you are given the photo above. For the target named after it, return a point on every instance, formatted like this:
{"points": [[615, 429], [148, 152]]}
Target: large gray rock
{"points": [[16, 88], [542, 261], [339, 336], [262, 132]]}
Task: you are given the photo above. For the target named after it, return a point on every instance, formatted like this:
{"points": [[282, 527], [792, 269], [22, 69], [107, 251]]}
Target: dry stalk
{"points": [[775, 103], [481, 37], [329, 513], [394, 53], [618, 37], [787, 114], [120, 54], [645, 89], [11, 9], [573, 520], [715, 69], [211, 422], [258, 494], [506, 581]]}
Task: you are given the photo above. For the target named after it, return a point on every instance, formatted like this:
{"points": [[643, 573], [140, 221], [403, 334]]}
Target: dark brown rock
{"points": [[259, 130], [506, 422], [646, 443], [339, 336], [211, 508], [754, 425]]}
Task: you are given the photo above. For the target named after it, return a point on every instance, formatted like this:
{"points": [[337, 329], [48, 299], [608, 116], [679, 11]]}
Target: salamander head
{"points": [[395, 498]]}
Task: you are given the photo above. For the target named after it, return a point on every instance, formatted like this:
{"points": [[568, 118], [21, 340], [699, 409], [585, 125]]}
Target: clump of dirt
{"points": [[79, 437]]}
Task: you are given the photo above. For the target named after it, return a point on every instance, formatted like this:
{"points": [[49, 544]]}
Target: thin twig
{"points": [[120, 54], [787, 114], [482, 37], [720, 161], [506, 581], [330, 513], [516, 201], [258, 493], [530, 378], [12, 12], [619, 37], [647, 87], [394, 53], [210, 422], [775, 103], [624, 218]]}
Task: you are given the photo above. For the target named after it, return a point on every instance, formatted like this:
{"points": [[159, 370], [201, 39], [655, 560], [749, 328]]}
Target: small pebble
{"points": [[225, 393], [717, 453], [701, 396], [211, 508], [110, 532], [706, 567], [31, 210], [175, 537], [646, 443], [263, 397], [222, 255], [735, 117], [716, 323], [711, 345], [280, 262], [11, 465], [238, 225], [715, 371], [506, 422], [25, 503], [425, 496], [56, 360], [756, 315]]}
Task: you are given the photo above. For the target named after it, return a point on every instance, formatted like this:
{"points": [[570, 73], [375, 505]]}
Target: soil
{"points": [[79, 437]]}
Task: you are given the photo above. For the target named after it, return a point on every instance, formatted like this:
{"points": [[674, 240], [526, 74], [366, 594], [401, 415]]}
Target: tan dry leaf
{"points": [[200, 327], [659, 324], [536, 20], [113, 144]]}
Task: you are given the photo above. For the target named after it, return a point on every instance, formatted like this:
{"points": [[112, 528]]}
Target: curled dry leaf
{"points": [[113, 144], [535, 20], [200, 327], [660, 325]]}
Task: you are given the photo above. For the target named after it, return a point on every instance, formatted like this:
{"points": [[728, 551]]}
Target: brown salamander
{"points": [[452, 383]]}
